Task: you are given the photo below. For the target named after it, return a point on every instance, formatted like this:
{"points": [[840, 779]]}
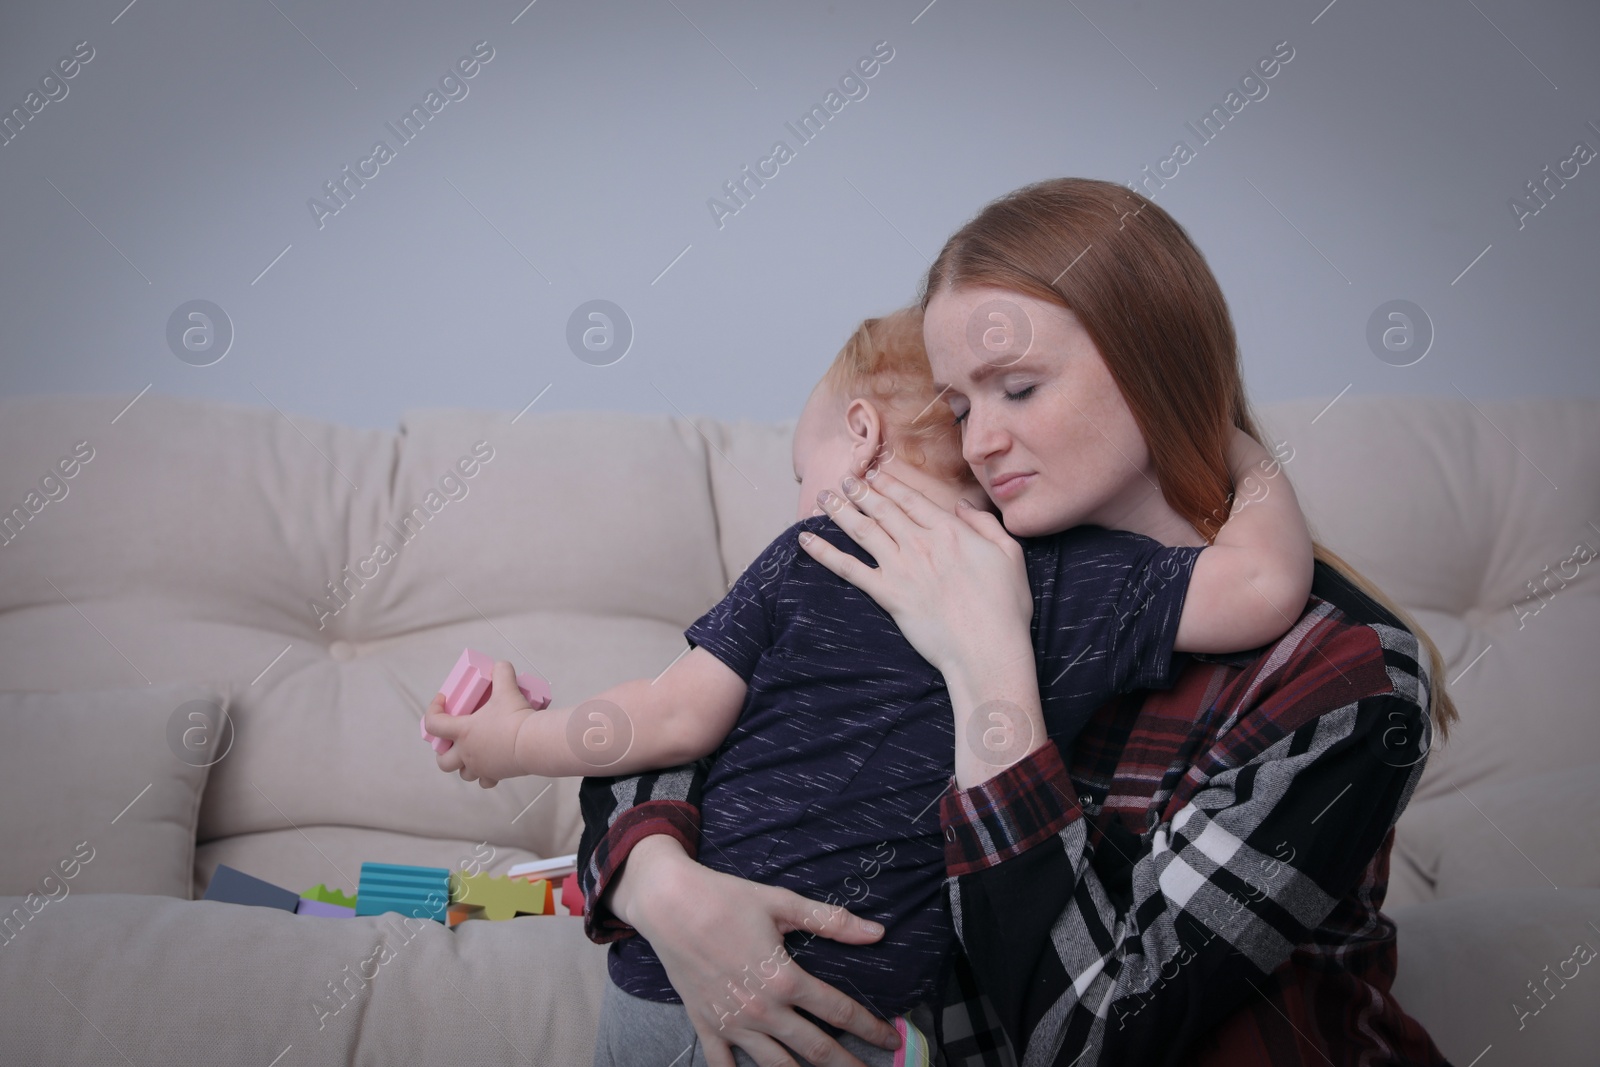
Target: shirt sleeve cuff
{"points": [[674, 818], [1028, 802]]}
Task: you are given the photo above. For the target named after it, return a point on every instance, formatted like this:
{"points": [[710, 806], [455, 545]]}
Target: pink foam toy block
{"points": [[468, 686]]}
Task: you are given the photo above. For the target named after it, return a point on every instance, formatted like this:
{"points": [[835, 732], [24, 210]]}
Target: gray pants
{"points": [[635, 1032]]}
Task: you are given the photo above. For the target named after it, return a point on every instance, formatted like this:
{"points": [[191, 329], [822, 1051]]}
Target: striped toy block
{"points": [[419, 892]]}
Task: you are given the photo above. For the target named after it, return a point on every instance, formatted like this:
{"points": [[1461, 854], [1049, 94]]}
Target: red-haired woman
{"points": [[1197, 876]]}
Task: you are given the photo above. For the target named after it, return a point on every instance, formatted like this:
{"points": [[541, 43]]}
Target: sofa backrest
{"points": [[206, 541]]}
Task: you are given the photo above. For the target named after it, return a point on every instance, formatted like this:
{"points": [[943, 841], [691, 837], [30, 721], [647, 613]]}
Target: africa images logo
{"points": [[852, 86], [453, 87]]}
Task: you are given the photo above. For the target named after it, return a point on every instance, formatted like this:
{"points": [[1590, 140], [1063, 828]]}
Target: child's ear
{"points": [[865, 425]]}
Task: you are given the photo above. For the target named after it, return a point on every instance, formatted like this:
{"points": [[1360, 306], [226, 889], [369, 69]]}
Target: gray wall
{"points": [[1380, 164]]}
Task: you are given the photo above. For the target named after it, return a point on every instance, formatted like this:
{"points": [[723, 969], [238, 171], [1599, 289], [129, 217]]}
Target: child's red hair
{"points": [[884, 361]]}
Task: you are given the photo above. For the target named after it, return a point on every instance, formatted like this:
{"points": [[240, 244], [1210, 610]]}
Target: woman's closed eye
{"points": [[1019, 395]]}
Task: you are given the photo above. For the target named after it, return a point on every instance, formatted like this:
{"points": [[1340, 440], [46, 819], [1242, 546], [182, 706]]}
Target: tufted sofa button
{"points": [[343, 651]]}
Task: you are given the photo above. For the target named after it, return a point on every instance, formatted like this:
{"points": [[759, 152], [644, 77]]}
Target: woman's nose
{"points": [[980, 437]]}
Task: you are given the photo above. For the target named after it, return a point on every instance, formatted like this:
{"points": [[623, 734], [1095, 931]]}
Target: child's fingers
{"points": [[504, 682], [448, 727], [488, 783], [504, 678]]}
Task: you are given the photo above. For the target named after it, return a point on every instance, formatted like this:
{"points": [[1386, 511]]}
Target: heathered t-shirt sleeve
{"points": [[1133, 589], [1148, 609], [744, 624]]}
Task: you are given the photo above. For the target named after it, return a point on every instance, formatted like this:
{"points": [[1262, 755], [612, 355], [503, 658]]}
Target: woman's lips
{"points": [[1009, 485]]}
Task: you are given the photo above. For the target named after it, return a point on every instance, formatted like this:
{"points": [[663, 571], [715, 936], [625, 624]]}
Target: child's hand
{"points": [[484, 744]]}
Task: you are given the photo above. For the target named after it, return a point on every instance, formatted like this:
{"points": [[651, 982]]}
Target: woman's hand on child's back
{"points": [[484, 743], [956, 584], [720, 940]]}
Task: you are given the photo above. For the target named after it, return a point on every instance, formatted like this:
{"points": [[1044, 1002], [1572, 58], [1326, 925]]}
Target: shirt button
{"points": [[343, 651]]}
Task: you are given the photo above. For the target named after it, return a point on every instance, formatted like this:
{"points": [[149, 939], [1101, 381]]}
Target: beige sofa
{"points": [[192, 556]]}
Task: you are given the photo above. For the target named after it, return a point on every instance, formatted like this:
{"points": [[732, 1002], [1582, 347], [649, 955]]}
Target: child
{"points": [[833, 738]]}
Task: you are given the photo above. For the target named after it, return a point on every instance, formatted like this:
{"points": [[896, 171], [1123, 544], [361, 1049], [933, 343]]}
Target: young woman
{"points": [[1197, 876]]}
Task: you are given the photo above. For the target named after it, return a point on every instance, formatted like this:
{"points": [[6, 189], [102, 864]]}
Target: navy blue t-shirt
{"points": [[828, 784]]}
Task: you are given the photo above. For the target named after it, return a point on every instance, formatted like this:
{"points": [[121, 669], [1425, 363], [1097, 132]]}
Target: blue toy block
{"points": [[235, 887], [419, 892]]}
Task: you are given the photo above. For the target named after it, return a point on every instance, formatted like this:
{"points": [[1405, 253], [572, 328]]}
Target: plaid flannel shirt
{"points": [[1195, 879]]}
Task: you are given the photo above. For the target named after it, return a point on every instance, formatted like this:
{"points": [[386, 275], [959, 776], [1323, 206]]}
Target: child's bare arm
{"points": [[1250, 585], [637, 725], [634, 726]]}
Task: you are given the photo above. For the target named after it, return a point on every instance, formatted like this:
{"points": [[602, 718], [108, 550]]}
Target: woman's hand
{"points": [[720, 939], [957, 587], [955, 584]]}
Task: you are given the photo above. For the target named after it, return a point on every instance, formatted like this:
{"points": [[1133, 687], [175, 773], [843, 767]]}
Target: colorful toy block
{"points": [[468, 687], [323, 910], [500, 898], [235, 887], [914, 1050], [419, 892], [336, 897]]}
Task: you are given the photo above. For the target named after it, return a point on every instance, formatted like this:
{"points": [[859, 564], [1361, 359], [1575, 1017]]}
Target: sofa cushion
{"points": [[200, 982], [101, 790], [332, 740], [589, 513], [1534, 832], [188, 510], [1468, 967], [752, 485], [1462, 511]]}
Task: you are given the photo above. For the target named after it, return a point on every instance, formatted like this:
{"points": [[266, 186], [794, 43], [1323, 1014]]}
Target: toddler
{"points": [[833, 738]]}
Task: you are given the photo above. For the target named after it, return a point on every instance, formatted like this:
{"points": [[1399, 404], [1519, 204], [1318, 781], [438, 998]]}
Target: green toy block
{"points": [[499, 898], [324, 895]]}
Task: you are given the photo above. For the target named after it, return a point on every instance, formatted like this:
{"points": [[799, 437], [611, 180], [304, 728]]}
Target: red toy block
{"points": [[572, 895], [468, 686]]}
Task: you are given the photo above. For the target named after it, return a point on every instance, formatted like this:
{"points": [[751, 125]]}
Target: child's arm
{"points": [[635, 726], [1251, 584]]}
